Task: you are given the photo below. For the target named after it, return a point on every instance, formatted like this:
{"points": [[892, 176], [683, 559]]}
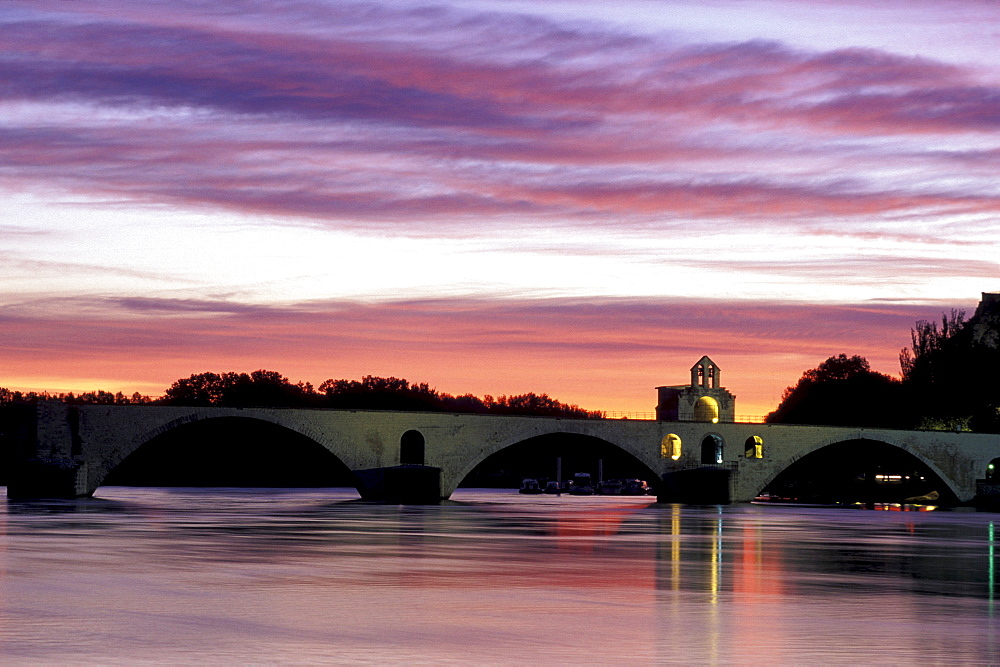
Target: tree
{"points": [[844, 391], [539, 405], [950, 373], [8, 396], [199, 390], [271, 389], [379, 393], [261, 388], [921, 361]]}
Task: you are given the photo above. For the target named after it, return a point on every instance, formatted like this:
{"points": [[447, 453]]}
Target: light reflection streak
{"points": [[991, 586], [675, 548], [715, 566], [715, 577], [448, 583], [992, 565]]}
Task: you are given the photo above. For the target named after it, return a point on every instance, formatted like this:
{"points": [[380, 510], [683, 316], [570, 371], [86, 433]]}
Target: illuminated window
{"points": [[992, 469], [754, 447], [670, 446], [706, 410]]}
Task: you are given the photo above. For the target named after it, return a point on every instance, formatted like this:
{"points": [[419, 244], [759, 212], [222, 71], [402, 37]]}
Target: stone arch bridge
{"points": [[74, 448]]}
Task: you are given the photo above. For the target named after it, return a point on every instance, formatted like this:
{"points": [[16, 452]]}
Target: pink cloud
{"points": [[603, 354], [430, 120]]}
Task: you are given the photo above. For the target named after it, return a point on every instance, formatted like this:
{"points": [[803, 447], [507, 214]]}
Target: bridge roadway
{"points": [[97, 438]]}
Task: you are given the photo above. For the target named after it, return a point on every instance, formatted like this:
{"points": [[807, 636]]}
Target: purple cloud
{"points": [[372, 114]]}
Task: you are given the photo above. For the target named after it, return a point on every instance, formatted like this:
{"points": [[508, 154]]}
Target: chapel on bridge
{"points": [[704, 400]]}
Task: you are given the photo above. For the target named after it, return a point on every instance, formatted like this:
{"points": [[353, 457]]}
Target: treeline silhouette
{"points": [[263, 388], [948, 381], [8, 396], [844, 391]]}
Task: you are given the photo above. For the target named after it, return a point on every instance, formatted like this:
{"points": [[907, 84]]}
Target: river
{"points": [[160, 575]]}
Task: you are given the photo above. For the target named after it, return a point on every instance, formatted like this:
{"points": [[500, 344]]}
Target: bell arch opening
{"points": [[411, 448], [711, 450], [536, 458], [860, 471], [231, 451], [706, 410]]}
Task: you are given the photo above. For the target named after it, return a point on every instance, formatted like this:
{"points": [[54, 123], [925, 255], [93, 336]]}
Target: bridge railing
{"points": [[692, 464], [651, 416], [749, 419], [613, 414]]}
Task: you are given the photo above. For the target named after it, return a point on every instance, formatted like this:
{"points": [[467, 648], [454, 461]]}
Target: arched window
{"points": [[706, 410], [411, 448], [670, 446], [754, 447], [711, 450]]}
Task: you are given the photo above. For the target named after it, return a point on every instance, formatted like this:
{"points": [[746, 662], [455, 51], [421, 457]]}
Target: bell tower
{"points": [[705, 374]]}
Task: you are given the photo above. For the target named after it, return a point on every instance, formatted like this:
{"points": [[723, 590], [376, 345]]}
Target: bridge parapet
{"points": [[95, 439]]}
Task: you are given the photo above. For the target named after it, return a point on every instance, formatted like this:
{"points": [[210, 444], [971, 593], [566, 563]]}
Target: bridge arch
{"points": [[838, 451], [579, 451], [224, 449]]}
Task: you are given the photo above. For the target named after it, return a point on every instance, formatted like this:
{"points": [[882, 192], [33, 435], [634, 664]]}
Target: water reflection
{"points": [[991, 564], [226, 575]]}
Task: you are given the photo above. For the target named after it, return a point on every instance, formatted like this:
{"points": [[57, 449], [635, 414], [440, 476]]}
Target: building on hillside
{"points": [[985, 322], [704, 400]]}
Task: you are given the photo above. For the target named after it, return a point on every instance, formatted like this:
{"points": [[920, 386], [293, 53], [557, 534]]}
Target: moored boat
{"points": [[583, 485], [926, 498], [610, 487], [635, 487], [530, 485]]}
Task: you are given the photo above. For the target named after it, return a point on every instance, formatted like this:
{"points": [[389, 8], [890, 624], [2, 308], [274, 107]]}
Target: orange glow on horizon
{"points": [[605, 355], [625, 389]]}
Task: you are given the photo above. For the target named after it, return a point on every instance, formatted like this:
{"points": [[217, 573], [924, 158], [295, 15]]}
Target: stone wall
{"points": [[98, 438]]}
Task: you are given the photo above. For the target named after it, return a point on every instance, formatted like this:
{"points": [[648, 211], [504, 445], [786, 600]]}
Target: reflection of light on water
{"points": [[487, 580], [897, 507], [991, 566], [716, 562], [675, 548], [578, 529], [715, 577], [3, 532], [991, 579]]}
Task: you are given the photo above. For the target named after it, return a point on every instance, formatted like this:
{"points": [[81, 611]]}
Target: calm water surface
{"points": [[240, 575]]}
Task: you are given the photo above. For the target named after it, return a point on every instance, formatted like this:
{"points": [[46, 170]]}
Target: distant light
{"points": [[715, 420]]}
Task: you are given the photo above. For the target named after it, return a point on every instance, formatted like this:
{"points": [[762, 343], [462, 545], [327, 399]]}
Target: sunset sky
{"points": [[576, 198]]}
